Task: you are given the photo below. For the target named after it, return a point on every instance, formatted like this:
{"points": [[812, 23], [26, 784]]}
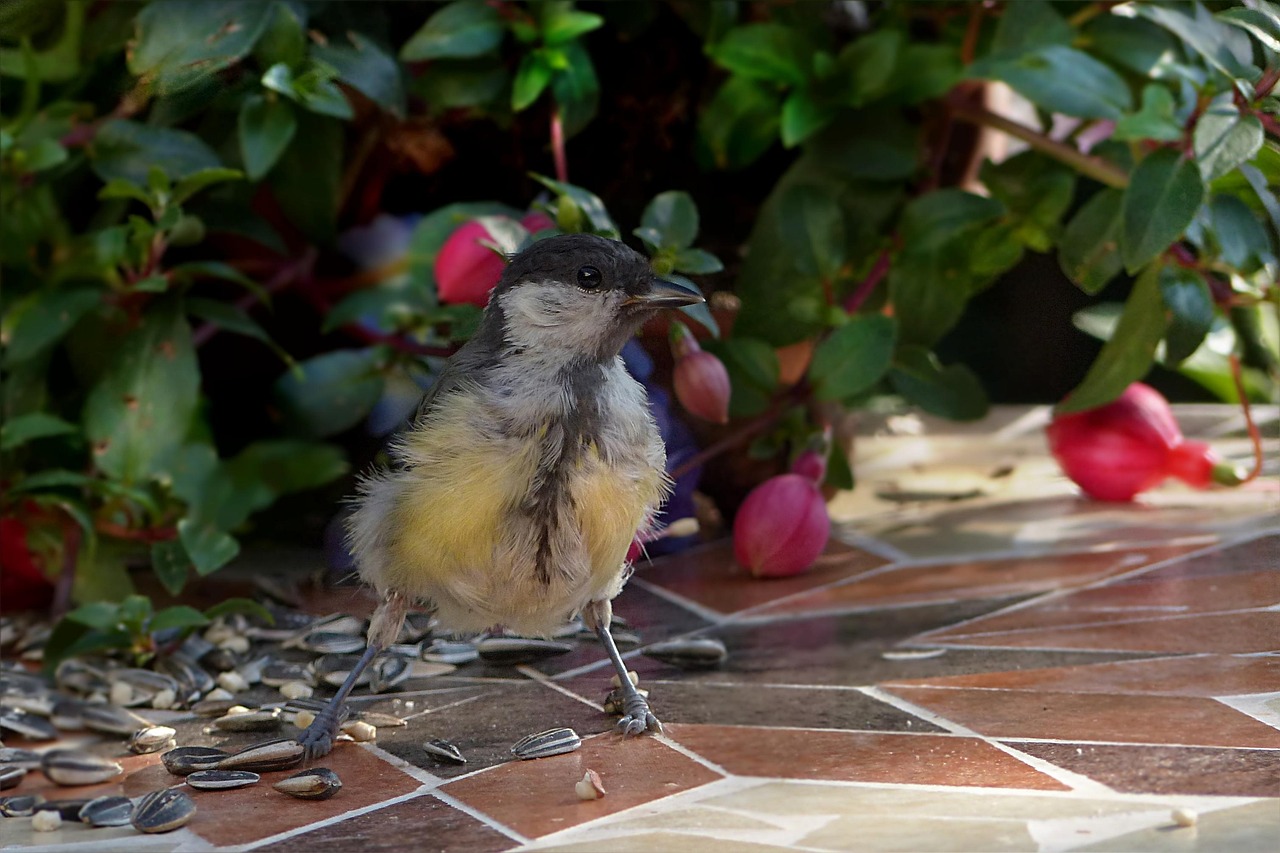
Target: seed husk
{"points": [[68, 809], [11, 776], [255, 721], [510, 651], [544, 744], [450, 651], [360, 731], [151, 739], [694, 653], [19, 805], [27, 725], [221, 780], [389, 671], [334, 669], [381, 720], [189, 759], [163, 811], [279, 673], [184, 669], [107, 811], [296, 690], [27, 759], [590, 787], [265, 757], [112, 720], [213, 707], [442, 749], [332, 643], [68, 715], [318, 783], [220, 660], [72, 767]]}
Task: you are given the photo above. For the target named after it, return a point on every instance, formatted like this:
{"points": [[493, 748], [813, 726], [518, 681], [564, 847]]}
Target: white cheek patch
{"points": [[550, 317]]}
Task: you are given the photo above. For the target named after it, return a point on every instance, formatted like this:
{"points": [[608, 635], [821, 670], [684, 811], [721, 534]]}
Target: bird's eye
{"points": [[589, 278]]}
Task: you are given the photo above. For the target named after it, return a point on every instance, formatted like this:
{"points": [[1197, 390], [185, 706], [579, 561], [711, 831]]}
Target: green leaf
{"points": [[865, 67], [929, 291], [1061, 79], [140, 410], [576, 89], [697, 262], [1036, 192], [24, 428], [1186, 295], [532, 79], [51, 479], [247, 606], [700, 312], [188, 186], [1128, 355], [1240, 237], [265, 127], [773, 52], [839, 471], [171, 565], [587, 202], [447, 84], [314, 88], [209, 548], [674, 216], [307, 181], [561, 23], [1215, 41], [1131, 43], [937, 218], [811, 226], [1265, 28], [803, 115], [740, 123], [367, 68], [1159, 203], [45, 317], [924, 72], [1089, 251], [1224, 139], [178, 616], [284, 466], [854, 357], [1029, 24], [177, 51], [460, 30], [330, 393], [874, 144], [126, 151], [284, 39], [1155, 120], [101, 615], [952, 392], [753, 373], [230, 317]]}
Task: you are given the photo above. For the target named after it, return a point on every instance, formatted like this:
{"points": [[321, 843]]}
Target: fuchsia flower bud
{"points": [[781, 527], [1130, 445], [700, 379], [812, 463], [535, 221], [466, 269]]}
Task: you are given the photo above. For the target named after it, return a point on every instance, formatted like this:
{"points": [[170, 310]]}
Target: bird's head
{"points": [[579, 295]]}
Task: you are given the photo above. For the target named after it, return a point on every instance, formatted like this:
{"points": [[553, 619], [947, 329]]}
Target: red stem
{"points": [[878, 272], [1254, 435], [71, 537], [557, 148], [285, 276]]}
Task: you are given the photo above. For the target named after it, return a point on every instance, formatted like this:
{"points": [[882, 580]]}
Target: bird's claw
{"points": [[637, 718], [317, 738]]}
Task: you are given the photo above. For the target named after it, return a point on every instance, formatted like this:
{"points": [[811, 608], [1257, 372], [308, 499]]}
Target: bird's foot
{"points": [[636, 717], [317, 738]]}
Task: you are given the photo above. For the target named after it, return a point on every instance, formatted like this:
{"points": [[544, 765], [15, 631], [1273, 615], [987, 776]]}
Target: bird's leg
{"points": [[636, 716], [384, 628]]}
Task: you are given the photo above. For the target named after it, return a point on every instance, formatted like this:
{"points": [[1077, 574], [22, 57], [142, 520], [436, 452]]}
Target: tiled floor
{"points": [[984, 662]]}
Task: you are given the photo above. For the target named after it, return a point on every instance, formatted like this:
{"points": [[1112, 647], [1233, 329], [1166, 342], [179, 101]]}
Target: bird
{"points": [[532, 463]]}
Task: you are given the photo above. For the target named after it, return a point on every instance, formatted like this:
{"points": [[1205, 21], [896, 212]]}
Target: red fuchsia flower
{"points": [[535, 221], [783, 526], [701, 381], [23, 586], [1130, 445], [467, 269]]}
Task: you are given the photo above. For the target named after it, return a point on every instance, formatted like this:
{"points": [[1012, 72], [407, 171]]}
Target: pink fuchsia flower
{"points": [[1130, 445], [700, 379], [466, 268], [781, 527]]}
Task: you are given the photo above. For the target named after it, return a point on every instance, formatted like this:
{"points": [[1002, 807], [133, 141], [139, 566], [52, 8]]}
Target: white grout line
{"points": [[480, 816], [426, 777], [1074, 781], [1140, 618], [543, 679], [330, 821], [713, 616], [1082, 742]]}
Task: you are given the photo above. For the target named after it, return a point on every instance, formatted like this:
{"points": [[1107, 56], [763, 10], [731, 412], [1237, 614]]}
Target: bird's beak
{"points": [[664, 294]]}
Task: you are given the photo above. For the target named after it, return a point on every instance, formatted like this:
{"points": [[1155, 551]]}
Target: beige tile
{"points": [[699, 819], [662, 842], [894, 833], [1253, 828]]}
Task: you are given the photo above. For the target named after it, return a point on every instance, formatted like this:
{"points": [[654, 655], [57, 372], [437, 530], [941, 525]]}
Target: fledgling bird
{"points": [[531, 464]]}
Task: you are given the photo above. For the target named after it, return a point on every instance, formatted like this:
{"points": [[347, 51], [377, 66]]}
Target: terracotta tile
{"points": [[1251, 828], [709, 575], [925, 759], [1094, 717], [433, 824], [974, 580], [35, 782], [1228, 633], [1168, 769], [536, 798], [245, 815], [1199, 675]]}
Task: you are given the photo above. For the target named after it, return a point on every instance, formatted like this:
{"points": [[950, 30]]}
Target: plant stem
{"points": [[868, 285], [557, 148], [1095, 167], [285, 275], [1254, 435], [71, 537], [711, 451]]}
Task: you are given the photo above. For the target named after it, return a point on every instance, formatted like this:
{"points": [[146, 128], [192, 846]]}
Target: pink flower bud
{"points": [[811, 465], [1130, 445], [466, 269], [781, 527], [701, 381], [535, 221]]}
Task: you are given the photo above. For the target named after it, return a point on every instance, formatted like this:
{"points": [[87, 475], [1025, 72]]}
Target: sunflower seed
{"points": [[380, 720], [68, 715], [296, 690], [416, 627], [71, 767], [112, 719], [80, 676], [33, 697], [694, 653], [27, 759], [510, 651], [340, 623], [625, 638], [279, 673], [233, 681], [163, 811], [27, 725], [254, 721], [615, 702], [389, 671], [221, 780], [220, 660], [67, 809], [251, 671], [331, 643], [184, 669], [450, 651], [318, 783], [151, 739], [442, 749], [213, 707], [265, 757], [359, 731], [189, 759], [19, 805], [543, 744], [107, 811], [334, 669], [11, 776]]}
